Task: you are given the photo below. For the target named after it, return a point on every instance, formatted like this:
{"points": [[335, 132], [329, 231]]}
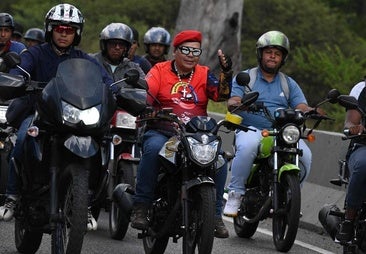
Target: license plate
{"points": [[2, 114]]}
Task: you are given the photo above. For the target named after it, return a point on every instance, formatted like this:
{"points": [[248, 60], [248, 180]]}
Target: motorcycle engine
{"points": [[253, 201]]}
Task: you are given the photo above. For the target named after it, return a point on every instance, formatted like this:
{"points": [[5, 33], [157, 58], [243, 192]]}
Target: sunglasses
{"points": [[64, 29], [115, 43], [186, 50]]}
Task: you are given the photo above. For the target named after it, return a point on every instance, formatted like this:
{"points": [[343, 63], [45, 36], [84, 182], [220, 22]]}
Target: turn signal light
{"points": [[265, 133], [311, 137]]}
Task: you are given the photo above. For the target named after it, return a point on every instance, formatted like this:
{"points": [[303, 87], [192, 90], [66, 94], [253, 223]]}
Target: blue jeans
{"points": [[148, 170], [357, 169], [17, 152]]}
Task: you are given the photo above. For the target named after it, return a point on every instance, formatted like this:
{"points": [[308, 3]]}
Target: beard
{"points": [[269, 69]]}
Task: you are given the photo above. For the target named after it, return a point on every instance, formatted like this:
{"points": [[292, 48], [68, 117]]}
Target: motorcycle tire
{"points": [[26, 241], [244, 229], [4, 168], [199, 233], [68, 235], [285, 223], [118, 222], [154, 245]]}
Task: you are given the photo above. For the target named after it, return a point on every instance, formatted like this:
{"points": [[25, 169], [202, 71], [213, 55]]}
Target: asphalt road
{"points": [[308, 242]]}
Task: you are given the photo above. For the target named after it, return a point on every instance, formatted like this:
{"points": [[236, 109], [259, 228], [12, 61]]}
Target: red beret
{"points": [[187, 35]]}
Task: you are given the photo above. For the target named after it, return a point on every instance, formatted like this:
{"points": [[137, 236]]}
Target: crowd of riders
{"points": [[118, 42]]}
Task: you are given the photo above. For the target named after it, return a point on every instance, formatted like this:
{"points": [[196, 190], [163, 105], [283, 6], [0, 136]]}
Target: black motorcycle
{"points": [[184, 202], [331, 216], [65, 157], [273, 186]]}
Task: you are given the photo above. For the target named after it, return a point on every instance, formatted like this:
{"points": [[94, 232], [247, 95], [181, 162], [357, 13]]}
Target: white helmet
{"points": [[64, 14]]}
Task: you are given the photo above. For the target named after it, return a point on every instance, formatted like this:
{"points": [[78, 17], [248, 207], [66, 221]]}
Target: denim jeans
{"points": [[357, 169], [17, 152], [148, 170]]}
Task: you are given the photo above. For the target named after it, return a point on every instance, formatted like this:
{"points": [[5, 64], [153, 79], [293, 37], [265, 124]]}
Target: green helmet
{"points": [[273, 39]]}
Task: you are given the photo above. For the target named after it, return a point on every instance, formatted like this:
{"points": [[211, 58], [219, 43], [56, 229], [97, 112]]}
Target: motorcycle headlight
{"points": [[125, 120], [290, 134], [3, 110], [74, 115], [202, 152]]}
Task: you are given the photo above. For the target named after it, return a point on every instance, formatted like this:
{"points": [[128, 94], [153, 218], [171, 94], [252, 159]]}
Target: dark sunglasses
{"points": [[64, 29], [186, 50], [115, 43]]}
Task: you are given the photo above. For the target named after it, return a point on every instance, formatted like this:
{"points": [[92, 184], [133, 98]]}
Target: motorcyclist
{"points": [[142, 61], [33, 36], [6, 31], [186, 87], [356, 162], [115, 41], [156, 43], [18, 32], [63, 28], [272, 51]]}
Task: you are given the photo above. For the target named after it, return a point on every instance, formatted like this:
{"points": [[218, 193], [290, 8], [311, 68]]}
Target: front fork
{"points": [[275, 173], [55, 215]]}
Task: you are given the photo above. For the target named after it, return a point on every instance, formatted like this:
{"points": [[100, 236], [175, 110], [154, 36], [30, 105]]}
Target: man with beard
{"points": [[276, 90]]}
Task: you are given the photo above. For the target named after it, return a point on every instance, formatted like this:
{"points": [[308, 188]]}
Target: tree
{"points": [[220, 24]]}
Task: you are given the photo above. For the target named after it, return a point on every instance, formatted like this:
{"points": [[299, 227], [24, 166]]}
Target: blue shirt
{"points": [[16, 47], [271, 94], [41, 62]]}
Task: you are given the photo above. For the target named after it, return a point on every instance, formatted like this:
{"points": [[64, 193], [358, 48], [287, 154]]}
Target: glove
{"points": [[226, 64]]}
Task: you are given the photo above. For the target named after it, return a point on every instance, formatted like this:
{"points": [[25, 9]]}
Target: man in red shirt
{"points": [[185, 86]]}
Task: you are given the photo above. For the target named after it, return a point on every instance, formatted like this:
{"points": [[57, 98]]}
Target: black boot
{"points": [[220, 229], [139, 216]]}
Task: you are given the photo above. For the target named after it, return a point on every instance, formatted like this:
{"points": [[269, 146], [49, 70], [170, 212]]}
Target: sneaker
{"points": [[139, 216], [232, 204], [92, 223], [7, 210], [345, 233], [220, 229]]}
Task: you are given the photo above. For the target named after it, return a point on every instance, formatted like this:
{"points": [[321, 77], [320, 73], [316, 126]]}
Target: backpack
{"points": [[283, 78]]}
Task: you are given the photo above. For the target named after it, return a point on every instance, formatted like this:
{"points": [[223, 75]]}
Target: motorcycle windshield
{"points": [[79, 82]]}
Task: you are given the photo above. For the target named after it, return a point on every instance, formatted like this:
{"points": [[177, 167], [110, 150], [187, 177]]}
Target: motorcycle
{"points": [[184, 202], [7, 141], [124, 161], [330, 215], [65, 154], [273, 186]]}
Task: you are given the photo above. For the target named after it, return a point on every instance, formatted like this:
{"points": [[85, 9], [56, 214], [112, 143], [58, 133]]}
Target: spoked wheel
{"points": [[286, 221], [199, 234], [26, 241], [69, 234]]}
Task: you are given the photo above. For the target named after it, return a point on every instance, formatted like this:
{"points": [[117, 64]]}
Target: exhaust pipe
{"points": [[330, 216], [123, 196]]}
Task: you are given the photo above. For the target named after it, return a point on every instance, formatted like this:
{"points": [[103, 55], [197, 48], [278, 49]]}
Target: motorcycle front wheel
{"points": [[118, 222], [285, 221], [68, 235], [199, 233], [26, 241]]}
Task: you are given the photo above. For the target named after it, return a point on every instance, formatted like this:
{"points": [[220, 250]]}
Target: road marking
{"points": [[300, 243]]}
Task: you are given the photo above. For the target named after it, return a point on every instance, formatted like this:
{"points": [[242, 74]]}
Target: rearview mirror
{"points": [[333, 96]]}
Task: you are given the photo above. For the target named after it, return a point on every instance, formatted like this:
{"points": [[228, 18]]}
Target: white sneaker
{"points": [[7, 210], [232, 204], [92, 223]]}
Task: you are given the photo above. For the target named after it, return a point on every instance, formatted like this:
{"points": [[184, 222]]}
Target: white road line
{"points": [[300, 243]]}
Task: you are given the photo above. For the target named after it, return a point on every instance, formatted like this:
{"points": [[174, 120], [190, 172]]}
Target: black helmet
{"points": [[116, 31], [18, 30], [35, 34], [157, 35], [64, 14], [6, 20]]}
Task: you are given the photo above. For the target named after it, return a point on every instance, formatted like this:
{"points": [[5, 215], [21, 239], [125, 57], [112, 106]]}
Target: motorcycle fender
{"points": [[286, 168], [198, 181], [83, 147]]}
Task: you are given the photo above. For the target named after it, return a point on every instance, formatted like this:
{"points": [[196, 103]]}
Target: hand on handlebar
{"points": [[354, 130]]}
